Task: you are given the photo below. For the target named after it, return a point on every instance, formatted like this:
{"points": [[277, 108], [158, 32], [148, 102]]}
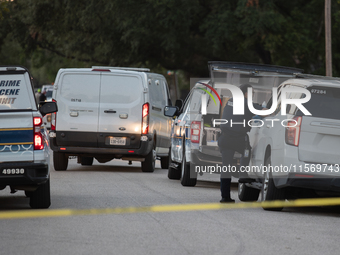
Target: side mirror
{"points": [[170, 111], [47, 107], [179, 103]]}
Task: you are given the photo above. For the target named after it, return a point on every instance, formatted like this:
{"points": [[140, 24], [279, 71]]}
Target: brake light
{"points": [[195, 131], [38, 139], [37, 121], [101, 70], [38, 142], [53, 118], [145, 119], [293, 131]]}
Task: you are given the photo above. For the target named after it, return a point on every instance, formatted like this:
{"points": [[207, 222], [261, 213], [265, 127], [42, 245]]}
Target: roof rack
{"points": [[123, 68], [313, 76], [250, 67]]}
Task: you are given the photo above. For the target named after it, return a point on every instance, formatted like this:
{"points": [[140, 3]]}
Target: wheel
{"points": [[186, 179], [28, 193], [41, 198], [86, 161], [60, 161], [165, 162], [269, 191], [247, 194], [148, 166], [173, 173]]}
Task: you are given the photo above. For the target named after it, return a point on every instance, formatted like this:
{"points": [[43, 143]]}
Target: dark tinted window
{"points": [[49, 93], [324, 103]]}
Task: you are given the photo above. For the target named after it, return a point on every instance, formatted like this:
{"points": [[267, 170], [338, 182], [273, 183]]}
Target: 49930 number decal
{"points": [[11, 171]]}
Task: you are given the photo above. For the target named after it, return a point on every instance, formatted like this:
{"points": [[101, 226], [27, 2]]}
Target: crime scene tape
{"points": [[43, 213]]}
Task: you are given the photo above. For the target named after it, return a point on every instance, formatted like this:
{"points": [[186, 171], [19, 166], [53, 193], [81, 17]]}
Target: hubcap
{"points": [[183, 165], [265, 186], [153, 158], [240, 188]]}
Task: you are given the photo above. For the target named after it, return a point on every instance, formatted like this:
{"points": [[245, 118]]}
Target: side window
{"points": [[278, 107], [291, 109], [186, 102], [195, 101], [158, 92], [166, 89]]}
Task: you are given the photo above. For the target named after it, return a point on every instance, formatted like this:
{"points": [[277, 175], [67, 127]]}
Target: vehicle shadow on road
{"points": [[333, 211], [16, 201]]}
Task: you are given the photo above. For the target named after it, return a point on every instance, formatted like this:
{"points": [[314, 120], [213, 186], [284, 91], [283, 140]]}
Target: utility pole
{"points": [[328, 37]]}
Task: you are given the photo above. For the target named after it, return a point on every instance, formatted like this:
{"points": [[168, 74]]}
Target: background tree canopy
{"points": [[170, 34]]}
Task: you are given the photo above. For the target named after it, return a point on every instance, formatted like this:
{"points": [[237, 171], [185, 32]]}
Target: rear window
{"points": [[14, 93], [324, 103], [120, 89], [49, 93]]}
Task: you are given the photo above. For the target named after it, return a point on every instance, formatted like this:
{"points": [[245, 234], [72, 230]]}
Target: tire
{"points": [[269, 191], [148, 166], [165, 162], [28, 193], [41, 198], [185, 173], [247, 194], [173, 173], [86, 161], [60, 161]]}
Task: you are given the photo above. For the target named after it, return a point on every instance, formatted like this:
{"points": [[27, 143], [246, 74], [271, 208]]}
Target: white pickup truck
{"points": [[24, 151]]}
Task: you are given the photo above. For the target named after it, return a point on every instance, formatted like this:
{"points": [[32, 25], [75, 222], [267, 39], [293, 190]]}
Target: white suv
{"points": [[24, 152], [297, 155], [110, 113]]}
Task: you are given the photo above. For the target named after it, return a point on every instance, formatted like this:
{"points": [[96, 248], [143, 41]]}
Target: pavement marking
{"points": [[44, 213]]}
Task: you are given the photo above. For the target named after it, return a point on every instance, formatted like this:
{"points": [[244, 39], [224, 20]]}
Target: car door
{"points": [[159, 123], [78, 106], [120, 109]]}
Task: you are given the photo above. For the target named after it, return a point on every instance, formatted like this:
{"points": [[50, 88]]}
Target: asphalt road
{"points": [[116, 184]]}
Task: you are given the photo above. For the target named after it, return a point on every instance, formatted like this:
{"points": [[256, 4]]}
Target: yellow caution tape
{"points": [[21, 214]]}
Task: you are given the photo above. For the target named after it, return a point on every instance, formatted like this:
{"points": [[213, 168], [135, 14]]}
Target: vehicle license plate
{"points": [[117, 140], [12, 171]]}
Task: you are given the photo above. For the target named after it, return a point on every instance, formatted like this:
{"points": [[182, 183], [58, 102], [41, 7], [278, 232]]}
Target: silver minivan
{"points": [[110, 113]]}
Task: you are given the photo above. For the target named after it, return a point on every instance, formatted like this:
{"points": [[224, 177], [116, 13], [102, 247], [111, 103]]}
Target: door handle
{"points": [[74, 114], [156, 108]]}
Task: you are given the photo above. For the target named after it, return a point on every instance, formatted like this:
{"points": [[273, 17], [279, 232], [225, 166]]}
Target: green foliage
{"points": [[169, 34]]}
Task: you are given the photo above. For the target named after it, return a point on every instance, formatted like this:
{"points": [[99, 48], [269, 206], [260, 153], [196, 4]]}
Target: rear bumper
{"points": [[35, 174], [143, 150], [199, 158], [316, 183]]}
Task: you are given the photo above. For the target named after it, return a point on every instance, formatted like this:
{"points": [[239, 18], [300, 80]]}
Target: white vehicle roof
{"points": [[314, 80]]}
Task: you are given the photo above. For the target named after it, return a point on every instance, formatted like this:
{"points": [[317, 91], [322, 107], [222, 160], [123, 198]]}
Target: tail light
{"points": [[293, 131], [38, 139], [195, 131], [53, 118], [145, 120]]}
